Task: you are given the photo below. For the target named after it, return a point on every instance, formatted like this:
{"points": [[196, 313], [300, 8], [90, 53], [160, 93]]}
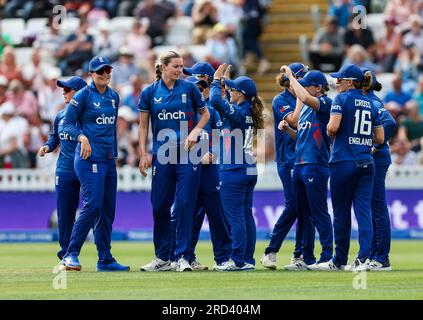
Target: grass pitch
{"points": [[26, 272]]}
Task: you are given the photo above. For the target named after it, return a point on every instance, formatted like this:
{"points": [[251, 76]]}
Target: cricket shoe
{"points": [[173, 265], [157, 265], [71, 263], [325, 266], [183, 265], [375, 265], [297, 264], [225, 266], [111, 267], [247, 267], [197, 265], [358, 265], [269, 260]]}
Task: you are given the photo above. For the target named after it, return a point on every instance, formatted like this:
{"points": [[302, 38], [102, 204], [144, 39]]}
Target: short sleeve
{"points": [[337, 106], [144, 101]]}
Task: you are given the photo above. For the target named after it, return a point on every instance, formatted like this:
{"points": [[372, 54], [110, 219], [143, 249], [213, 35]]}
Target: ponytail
{"points": [[366, 84], [257, 110], [158, 72], [282, 81]]}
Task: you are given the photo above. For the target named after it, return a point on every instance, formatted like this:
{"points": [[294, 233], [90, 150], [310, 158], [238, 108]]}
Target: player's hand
{"points": [[227, 74], [286, 71], [207, 158], [143, 165], [192, 139], [283, 125], [43, 150], [85, 147], [219, 72]]}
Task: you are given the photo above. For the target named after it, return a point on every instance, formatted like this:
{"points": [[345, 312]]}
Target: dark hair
{"points": [[365, 84], [284, 83], [377, 86], [257, 107], [164, 59]]}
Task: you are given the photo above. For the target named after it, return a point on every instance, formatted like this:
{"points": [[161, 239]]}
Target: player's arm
{"points": [[378, 135], [284, 126], [335, 116], [378, 131], [294, 117], [53, 140], [143, 138]]}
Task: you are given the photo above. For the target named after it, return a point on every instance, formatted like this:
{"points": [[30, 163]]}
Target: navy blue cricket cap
{"points": [[201, 82], [243, 84], [98, 62], [200, 68], [313, 78], [349, 72], [74, 83], [298, 70]]}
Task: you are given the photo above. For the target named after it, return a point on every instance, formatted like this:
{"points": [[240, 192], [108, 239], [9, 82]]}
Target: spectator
{"points": [[110, 6], [35, 72], [5, 41], [412, 127], [95, 15], [418, 96], [76, 51], [399, 9], [158, 13], [415, 35], [389, 46], [327, 47], [37, 134], [3, 89], [24, 101], [73, 6], [204, 17], [401, 153], [230, 15], [127, 154], [396, 99], [12, 8], [126, 7], [50, 97], [131, 98], [148, 65], [138, 41], [341, 10], [13, 132], [123, 69], [358, 55], [222, 48], [8, 66], [356, 34], [50, 42], [105, 44], [251, 29], [409, 65]]}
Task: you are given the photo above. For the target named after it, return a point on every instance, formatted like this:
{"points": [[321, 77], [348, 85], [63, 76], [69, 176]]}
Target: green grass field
{"points": [[26, 272]]}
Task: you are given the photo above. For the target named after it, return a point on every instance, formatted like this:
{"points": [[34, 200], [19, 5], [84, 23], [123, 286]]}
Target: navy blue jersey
{"points": [[171, 111], [58, 135], [237, 131], [283, 104], [354, 139], [95, 115], [313, 143], [383, 156]]}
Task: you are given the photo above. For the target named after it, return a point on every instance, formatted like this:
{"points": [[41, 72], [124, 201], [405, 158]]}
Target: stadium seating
{"points": [[180, 31], [15, 27]]}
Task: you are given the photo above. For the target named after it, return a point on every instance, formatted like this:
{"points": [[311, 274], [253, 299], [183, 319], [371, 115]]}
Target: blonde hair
{"points": [[164, 59]]}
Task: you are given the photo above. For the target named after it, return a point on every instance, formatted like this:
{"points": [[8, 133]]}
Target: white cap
{"points": [[103, 25], [126, 113], [3, 81], [7, 108], [53, 73]]}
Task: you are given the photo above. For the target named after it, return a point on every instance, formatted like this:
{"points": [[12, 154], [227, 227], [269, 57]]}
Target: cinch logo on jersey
{"points": [[65, 136], [362, 103], [336, 108], [177, 115], [105, 120], [304, 125]]}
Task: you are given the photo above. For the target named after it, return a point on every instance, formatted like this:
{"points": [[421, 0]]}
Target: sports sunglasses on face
{"points": [[101, 71]]}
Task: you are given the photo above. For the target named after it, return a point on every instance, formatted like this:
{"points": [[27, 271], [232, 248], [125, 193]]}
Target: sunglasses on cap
{"points": [[67, 89], [101, 71]]}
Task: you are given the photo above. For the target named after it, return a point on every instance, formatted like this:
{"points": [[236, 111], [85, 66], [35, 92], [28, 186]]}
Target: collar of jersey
{"points": [[92, 86], [162, 84]]}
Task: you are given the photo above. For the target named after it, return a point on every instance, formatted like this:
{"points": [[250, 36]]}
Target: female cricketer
{"points": [[172, 104], [67, 184], [94, 110]]}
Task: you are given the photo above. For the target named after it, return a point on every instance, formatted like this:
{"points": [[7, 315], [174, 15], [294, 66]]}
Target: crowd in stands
{"points": [[29, 97], [395, 46]]}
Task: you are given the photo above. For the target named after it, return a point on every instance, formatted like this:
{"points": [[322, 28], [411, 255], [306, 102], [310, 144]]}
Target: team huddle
{"points": [[316, 139]]}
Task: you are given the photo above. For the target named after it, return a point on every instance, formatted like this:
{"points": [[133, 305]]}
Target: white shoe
{"points": [[226, 266], [157, 265], [375, 265], [296, 265], [247, 267], [358, 265], [183, 265], [294, 259], [173, 265], [196, 265], [327, 266], [269, 260]]}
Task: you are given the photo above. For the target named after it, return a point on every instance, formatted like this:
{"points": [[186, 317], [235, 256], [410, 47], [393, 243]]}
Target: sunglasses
{"points": [[101, 71], [67, 90], [233, 90]]}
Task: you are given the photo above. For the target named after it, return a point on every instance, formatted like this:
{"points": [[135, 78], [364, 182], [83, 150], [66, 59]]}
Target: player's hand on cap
{"points": [[85, 147], [286, 70], [43, 150]]}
